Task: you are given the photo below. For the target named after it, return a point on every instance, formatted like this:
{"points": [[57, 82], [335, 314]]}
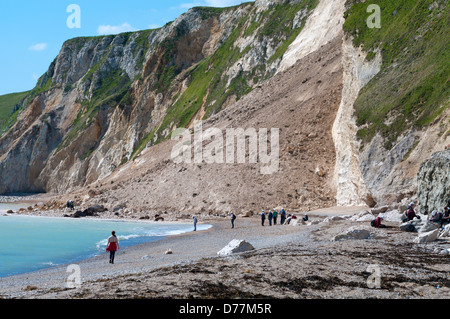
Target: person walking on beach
{"points": [[195, 222], [263, 218], [113, 246], [233, 217], [275, 215], [270, 217], [282, 216]]}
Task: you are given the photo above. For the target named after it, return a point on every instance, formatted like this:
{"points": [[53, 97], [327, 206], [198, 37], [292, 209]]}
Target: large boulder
{"points": [[419, 225], [433, 182], [427, 226], [427, 237], [235, 246], [393, 216]]}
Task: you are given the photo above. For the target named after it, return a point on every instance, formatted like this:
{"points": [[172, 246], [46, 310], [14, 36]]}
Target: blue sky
{"points": [[32, 32]]}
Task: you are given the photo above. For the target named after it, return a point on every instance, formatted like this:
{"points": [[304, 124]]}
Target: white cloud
{"points": [[38, 47], [115, 29]]}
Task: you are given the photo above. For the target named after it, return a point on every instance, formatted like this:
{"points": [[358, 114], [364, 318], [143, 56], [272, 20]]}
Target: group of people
{"points": [[273, 215], [442, 218], [436, 216], [70, 205]]}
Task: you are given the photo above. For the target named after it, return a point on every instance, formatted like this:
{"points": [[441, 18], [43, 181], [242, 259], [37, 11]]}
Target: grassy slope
{"points": [[412, 89], [7, 104], [8, 101]]}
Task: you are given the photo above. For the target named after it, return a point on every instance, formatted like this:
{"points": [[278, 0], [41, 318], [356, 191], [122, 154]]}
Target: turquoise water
{"points": [[33, 243]]}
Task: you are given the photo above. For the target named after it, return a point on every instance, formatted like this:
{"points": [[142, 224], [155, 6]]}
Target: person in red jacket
{"points": [[113, 246], [377, 222]]}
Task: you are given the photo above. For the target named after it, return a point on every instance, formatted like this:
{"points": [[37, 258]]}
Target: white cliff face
{"points": [[322, 26], [351, 188]]}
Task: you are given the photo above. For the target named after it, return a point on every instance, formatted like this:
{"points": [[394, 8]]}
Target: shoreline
{"points": [[98, 219], [289, 261], [143, 257]]}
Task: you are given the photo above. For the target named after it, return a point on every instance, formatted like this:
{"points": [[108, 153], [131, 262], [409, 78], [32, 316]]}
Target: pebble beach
{"points": [[302, 261]]}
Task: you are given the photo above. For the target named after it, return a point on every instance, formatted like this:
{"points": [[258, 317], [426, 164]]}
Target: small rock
{"points": [[380, 210], [333, 218], [445, 252], [297, 222], [353, 233]]}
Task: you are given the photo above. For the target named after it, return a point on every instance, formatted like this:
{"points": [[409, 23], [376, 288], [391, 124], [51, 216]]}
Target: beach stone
{"points": [[366, 218], [333, 218], [78, 214], [235, 246], [10, 212], [392, 216], [118, 208], [380, 210], [297, 222], [96, 209], [446, 231], [353, 233], [247, 214], [427, 237], [411, 226], [363, 215], [428, 226]]}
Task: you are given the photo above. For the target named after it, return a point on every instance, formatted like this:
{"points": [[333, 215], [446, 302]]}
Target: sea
{"points": [[30, 243]]}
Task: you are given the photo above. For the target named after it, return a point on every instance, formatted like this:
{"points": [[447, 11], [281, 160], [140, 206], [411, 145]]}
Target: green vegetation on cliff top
{"points": [[7, 104], [412, 89]]}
